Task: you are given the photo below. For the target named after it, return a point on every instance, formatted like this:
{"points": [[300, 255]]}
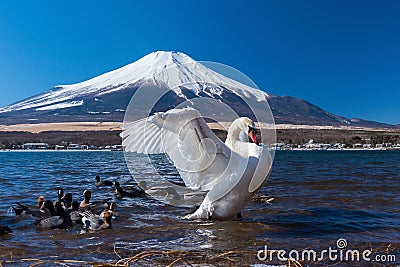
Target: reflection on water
{"points": [[319, 198]]}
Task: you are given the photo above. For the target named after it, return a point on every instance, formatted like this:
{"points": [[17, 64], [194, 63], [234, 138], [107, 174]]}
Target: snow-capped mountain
{"points": [[105, 97], [182, 70]]}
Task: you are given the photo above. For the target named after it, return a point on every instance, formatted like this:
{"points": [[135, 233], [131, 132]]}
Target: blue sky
{"points": [[343, 56]]}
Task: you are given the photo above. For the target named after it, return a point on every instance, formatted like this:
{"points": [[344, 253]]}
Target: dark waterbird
{"points": [[60, 194], [22, 209], [85, 204], [75, 214], [67, 200], [25, 210], [59, 221], [128, 192], [48, 209], [102, 183]]}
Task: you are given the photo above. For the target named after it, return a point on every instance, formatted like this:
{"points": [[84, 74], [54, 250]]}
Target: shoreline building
{"points": [[30, 146]]}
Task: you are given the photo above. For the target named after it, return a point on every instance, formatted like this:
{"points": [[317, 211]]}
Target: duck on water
{"points": [[65, 212], [100, 183], [127, 192]]}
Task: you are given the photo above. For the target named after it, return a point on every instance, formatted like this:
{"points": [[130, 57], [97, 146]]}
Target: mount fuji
{"points": [[106, 97]]}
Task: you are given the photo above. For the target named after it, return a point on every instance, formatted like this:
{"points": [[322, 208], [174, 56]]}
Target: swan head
{"points": [[247, 126]]}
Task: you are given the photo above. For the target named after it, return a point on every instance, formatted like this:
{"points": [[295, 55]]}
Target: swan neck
{"points": [[234, 131]]}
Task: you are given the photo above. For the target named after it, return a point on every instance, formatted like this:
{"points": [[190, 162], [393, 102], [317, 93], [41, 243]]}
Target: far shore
{"points": [[116, 126], [103, 135], [62, 127], [58, 150], [112, 150]]}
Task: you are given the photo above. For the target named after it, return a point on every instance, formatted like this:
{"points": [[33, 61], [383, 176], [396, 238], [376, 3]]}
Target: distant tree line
{"points": [[288, 136], [348, 137], [9, 140]]}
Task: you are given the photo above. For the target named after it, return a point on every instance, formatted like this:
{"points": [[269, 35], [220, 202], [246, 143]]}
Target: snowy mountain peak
{"points": [[145, 68], [166, 58], [173, 69]]}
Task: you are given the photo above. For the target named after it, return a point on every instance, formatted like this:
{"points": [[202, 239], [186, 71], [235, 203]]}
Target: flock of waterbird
{"points": [[64, 212]]}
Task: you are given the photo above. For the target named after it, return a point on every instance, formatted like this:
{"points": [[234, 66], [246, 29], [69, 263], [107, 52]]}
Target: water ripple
{"points": [[319, 197]]}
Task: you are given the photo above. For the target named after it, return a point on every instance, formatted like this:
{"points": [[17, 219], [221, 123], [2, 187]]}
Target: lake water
{"points": [[319, 197]]}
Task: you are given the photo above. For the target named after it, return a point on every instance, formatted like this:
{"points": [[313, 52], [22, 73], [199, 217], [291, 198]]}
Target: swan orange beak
{"points": [[253, 137]]}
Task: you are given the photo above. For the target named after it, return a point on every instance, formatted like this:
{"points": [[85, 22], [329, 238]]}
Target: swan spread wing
{"points": [[200, 157]]}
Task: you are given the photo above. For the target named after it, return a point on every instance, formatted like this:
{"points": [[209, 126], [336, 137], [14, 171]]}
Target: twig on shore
{"points": [[156, 258]]}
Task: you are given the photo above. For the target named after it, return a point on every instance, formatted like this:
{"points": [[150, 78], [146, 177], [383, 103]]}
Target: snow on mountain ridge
{"points": [[182, 70], [62, 105]]}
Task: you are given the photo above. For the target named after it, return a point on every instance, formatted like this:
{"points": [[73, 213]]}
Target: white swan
{"points": [[230, 172]]}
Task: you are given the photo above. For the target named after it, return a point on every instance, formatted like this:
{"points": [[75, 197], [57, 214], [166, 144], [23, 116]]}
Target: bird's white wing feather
{"points": [[198, 154]]}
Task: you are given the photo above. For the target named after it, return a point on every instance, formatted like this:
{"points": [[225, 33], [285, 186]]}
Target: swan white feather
{"points": [[230, 171]]}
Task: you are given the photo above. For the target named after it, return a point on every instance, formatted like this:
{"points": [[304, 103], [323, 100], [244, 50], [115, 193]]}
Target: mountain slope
{"points": [[291, 110], [105, 97]]}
